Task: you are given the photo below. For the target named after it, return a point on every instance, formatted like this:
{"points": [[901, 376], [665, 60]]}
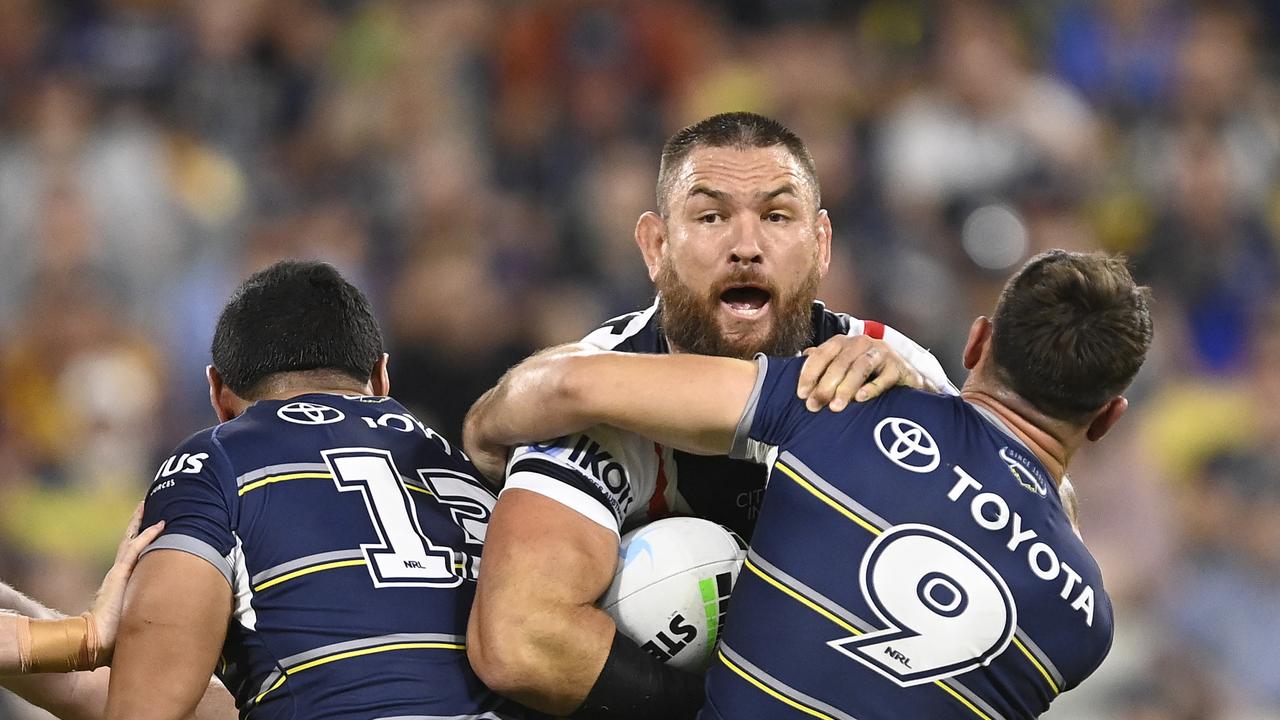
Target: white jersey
{"points": [[622, 480]]}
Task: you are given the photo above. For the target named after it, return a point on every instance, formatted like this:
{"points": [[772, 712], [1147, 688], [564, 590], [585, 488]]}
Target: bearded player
{"points": [[737, 248], [915, 556]]}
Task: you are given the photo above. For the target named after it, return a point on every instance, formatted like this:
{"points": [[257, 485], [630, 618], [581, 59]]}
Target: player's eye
{"points": [[776, 217], [710, 218]]}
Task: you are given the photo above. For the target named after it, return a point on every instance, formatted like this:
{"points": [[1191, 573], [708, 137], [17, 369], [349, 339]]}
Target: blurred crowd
{"points": [[478, 166]]}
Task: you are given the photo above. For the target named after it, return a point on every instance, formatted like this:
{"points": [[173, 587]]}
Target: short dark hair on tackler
{"points": [[1070, 332], [295, 316], [739, 130]]}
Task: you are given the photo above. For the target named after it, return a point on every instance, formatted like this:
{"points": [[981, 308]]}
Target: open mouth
{"points": [[746, 301]]}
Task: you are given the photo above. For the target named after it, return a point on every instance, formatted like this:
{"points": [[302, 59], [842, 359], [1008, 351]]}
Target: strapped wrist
{"points": [[64, 645]]}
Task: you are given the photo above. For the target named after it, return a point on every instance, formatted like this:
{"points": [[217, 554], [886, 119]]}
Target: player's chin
{"points": [[745, 337]]}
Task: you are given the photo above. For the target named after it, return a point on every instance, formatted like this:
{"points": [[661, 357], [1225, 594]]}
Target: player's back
{"points": [[351, 537], [912, 559]]}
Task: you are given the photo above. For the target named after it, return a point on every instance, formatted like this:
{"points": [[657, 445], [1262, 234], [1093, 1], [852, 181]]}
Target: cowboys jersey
{"points": [[912, 560], [350, 535], [622, 480]]}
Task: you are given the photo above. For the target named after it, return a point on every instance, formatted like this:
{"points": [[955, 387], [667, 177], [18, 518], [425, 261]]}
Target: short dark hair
{"points": [[739, 130], [1070, 331], [295, 316]]}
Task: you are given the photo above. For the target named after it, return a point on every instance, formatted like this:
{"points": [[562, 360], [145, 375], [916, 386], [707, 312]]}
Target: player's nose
{"points": [[746, 244]]}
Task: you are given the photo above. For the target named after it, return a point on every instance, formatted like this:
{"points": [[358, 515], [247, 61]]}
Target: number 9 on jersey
{"points": [[947, 610]]}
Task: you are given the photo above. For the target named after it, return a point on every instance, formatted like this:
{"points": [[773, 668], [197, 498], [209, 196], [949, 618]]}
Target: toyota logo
{"points": [[305, 413], [907, 445]]}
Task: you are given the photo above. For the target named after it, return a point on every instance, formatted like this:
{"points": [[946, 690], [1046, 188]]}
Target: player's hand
{"points": [[847, 368], [109, 603]]}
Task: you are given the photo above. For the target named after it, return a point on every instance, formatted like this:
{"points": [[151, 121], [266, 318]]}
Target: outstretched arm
{"points": [[83, 695], [689, 402], [38, 640]]}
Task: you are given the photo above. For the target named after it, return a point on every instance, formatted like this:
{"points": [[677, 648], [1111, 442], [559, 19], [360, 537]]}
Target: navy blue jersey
{"points": [[350, 535], [912, 559]]}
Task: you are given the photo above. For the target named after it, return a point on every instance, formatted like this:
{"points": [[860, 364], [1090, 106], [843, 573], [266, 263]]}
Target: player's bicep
{"points": [[174, 624], [543, 551], [544, 563]]}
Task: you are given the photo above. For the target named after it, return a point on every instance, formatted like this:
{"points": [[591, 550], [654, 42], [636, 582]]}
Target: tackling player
{"points": [[46, 657], [914, 556], [320, 544], [736, 250]]}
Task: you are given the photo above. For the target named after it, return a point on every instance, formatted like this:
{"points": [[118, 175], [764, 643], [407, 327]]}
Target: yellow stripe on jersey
{"points": [[800, 598], [307, 571], [826, 499], [1039, 667], [963, 700], [770, 691], [415, 488], [370, 651], [282, 478], [357, 653]]}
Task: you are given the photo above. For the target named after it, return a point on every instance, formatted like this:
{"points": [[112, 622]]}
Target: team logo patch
{"points": [[305, 413], [907, 445], [1022, 471]]}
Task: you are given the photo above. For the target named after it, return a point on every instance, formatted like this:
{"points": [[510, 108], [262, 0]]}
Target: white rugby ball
{"points": [[672, 586]]}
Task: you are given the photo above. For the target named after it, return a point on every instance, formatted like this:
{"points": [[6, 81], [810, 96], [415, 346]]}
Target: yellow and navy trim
{"points": [[338, 652]]}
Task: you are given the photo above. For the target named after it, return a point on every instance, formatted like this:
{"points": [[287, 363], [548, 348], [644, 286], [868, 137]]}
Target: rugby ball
{"points": [[672, 587]]}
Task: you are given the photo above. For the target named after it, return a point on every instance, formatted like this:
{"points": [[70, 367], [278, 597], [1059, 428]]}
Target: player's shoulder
{"points": [[828, 324], [639, 331], [199, 455]]}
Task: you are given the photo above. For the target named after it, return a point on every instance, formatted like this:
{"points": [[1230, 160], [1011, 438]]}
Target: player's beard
{"points": [[691, 320]]}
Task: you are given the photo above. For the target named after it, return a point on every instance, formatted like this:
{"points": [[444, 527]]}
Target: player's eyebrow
{"points": [[786, 189], [718, 195]]}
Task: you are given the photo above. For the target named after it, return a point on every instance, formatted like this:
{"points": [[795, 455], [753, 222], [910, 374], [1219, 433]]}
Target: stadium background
{"points": [[478, 166]]}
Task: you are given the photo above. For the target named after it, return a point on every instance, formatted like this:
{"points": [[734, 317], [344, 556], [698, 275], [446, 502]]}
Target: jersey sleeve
{"points": [[190, 494], [773, 413], [911, 351], [602, 474]]}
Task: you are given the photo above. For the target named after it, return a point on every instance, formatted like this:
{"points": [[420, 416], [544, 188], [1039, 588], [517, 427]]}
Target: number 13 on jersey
{"points": [[403, 555], [947, 610]]}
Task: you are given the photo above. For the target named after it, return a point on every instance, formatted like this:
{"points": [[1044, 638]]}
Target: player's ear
{"points": [[824, 243], [651, 236], [380, 379], [219, 395], [979, 338], [1107, 417]]}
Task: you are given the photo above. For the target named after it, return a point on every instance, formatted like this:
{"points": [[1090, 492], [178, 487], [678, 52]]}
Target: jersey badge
{"points": [[1021, 469]]}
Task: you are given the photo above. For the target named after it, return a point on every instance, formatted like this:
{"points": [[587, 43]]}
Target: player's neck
{"points": [[1051, 446], [298, 392]]}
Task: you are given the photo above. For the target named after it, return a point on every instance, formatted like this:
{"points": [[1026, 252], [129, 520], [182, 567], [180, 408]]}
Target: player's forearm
{"points": [[689, 402], [69, 696], [13, 601], [529, 402]]}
